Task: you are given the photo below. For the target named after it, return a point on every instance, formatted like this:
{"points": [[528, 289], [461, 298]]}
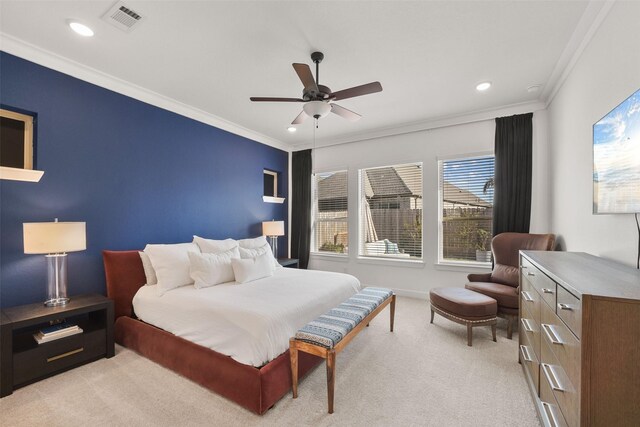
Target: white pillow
{"points": [[149, 272], [255, 252], [253, 243], [212, 269], [249, 269], [211, 246], [171, 263]]}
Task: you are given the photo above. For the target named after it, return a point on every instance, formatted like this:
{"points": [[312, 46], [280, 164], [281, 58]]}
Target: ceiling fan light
{"points": [[317, 109]]}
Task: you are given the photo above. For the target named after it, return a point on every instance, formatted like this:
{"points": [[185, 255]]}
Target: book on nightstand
{"points": [[57, 331]]}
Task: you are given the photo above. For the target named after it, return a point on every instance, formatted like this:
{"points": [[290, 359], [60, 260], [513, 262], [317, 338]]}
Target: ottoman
{"points": [[465, 307]]}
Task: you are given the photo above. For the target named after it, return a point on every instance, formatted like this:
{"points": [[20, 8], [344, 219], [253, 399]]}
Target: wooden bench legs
{"points": [[330, 354]]}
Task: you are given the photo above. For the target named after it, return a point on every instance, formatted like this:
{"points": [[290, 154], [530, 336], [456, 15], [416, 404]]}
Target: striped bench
{"points": [[331, 332]]}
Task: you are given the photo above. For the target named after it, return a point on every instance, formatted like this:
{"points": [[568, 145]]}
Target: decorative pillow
{"points": [[253, 243], [250, 269], [171, 264], [149, 272], [255, 252], [210, 246], [212, 269]]}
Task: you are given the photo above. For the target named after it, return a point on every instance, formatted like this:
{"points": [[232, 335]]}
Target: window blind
{"points": [[466, 198], [330, 213], [390, 217]]}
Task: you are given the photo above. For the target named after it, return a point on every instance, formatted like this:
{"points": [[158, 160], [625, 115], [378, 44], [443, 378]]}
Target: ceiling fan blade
{"points": [[301, 118], [304, 72], [266, 99], [352, 92], [343, 112]]}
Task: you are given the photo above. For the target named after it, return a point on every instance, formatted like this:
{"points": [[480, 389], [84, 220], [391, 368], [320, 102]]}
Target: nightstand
{"points": [[23, 361], [288, 262]]}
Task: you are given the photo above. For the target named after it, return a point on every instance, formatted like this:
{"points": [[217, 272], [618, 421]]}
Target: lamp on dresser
{"points": [[273, 229], [55, 239]]}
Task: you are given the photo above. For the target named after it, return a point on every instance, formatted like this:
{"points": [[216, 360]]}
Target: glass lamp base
{"points": [[56, 280], [56, 302]]}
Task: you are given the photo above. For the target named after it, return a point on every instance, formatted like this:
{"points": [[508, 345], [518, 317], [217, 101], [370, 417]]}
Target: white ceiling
{"points": [[214, 55]]}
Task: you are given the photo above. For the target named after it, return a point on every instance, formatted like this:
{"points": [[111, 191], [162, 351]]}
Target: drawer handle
{"points": [[526, 296], [547, 290], [526, 325], [551, 334], [525, 354], [563, 306], [551, 377], [67, 354], [530, 273], [550, 415]]}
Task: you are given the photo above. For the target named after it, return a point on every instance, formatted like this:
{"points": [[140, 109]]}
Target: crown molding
{"points": [[591, 19], [426, 125], [75, 69]]}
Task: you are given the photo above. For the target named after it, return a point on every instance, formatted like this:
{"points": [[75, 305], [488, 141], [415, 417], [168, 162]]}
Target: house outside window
{"points": [[390, 217], [466, 210], [330, 213]]}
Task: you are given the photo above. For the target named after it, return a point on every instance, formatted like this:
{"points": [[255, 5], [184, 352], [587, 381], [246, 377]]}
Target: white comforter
{"points": [[250, 322]]}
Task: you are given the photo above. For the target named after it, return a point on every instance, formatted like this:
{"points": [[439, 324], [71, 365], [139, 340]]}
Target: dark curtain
{"points": [[513, 157], [301, 206]]}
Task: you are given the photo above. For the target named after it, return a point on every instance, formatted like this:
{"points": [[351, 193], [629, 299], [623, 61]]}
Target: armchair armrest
{"points": [[486, 277]]}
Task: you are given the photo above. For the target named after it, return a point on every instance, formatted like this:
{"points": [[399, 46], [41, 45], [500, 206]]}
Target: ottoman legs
{"points": [[468, 323]]}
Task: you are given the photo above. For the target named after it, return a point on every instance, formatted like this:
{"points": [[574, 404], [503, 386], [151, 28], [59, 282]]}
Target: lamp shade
{"points": [[273, 228], [54, 237]]}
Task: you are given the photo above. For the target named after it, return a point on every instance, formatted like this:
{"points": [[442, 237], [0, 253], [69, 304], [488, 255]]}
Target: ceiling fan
{"points": [[319, 99]]}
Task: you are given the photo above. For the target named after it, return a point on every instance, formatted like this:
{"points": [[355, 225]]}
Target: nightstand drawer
{"points": [[58, 355]]}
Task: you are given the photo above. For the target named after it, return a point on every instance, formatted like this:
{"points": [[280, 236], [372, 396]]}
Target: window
{"points": [[466, 209], [390, 217], [330, 213]]}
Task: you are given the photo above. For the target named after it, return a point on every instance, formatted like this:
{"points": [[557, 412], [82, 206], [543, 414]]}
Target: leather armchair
{"points": [[503, 283]]}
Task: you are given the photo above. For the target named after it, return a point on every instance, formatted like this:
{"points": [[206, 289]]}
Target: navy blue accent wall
{"points": [[135, 173]]}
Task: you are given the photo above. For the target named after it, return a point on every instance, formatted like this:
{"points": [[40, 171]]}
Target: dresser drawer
{"points": [[58, 355], [543, 284], [530, 299], [565, 392], [530, 362], [564, 345], [550, 409], [569, 309], [530, 329]]}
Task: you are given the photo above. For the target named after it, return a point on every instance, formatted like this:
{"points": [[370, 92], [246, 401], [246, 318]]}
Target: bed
{"points": [[255, 371]]}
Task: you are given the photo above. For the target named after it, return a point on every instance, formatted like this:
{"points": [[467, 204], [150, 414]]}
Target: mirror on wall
{"points": [[16, 146], [270, 193]]}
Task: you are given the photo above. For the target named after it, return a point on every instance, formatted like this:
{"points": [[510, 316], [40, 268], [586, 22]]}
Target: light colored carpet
{"points": [[420, 375]]}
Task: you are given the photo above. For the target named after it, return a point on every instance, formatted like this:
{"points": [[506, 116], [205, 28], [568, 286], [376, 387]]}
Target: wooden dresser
{"points": [[580, 338]]}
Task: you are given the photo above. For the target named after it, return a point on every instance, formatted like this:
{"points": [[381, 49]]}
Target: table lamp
{"points": [[273, 229], [55, 239]]}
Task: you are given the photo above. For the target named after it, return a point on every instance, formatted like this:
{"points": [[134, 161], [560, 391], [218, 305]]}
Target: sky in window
{"points": [[471, 175]]}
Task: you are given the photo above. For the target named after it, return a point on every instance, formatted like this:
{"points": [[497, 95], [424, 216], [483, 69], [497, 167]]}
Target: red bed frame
{"points": [[256, 389]]}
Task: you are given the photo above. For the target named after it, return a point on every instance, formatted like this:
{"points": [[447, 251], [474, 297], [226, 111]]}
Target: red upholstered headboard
{"points": [[125, 276]]}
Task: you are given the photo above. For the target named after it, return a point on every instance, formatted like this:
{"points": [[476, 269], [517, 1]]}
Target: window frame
{"points": [[440, 260], [362, 257], [313, 251]]}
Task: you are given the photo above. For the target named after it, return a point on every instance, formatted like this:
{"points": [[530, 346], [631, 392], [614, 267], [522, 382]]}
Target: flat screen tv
{"points": [[616, 159]]}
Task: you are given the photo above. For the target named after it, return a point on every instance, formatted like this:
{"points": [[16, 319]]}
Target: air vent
{"points": [[122, 17]]}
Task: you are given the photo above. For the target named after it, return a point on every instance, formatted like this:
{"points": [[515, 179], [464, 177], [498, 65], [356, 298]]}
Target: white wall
{"points": [[424, 146], [607, 72]]}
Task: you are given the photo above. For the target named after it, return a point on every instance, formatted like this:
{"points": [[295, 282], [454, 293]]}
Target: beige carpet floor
{"points": [[419, 375]]}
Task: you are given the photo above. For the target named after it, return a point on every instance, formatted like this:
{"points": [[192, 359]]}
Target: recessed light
{"points": [[483, 86], [292, 129], [533, 88], [81, 29]]}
